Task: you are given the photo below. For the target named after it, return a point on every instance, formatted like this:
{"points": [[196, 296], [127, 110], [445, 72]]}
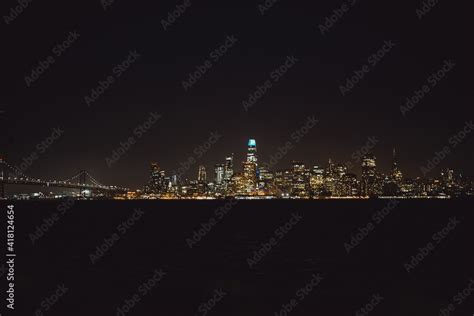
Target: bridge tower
{"points": [[82, 180]]}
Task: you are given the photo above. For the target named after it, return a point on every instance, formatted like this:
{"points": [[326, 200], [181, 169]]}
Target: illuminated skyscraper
{"points": [[236, 185], [249, 175], [252, 151], [369, 175], [229, 168], [219, 172], [316, 180], [447, 176], [265, 180], [249, 178], [396, 173], [340, 171], [202, 175], [156, 183], [330, 179], [300, 181]]}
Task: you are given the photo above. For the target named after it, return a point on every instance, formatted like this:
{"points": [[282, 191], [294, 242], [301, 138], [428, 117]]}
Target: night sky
{"points": [[154, 83]]}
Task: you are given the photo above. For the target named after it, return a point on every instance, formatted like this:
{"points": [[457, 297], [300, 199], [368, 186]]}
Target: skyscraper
{"points": [[202, 175], [219, 172], [249, 178], [229, 168], [447, 176], [396, 173], [156, 184], [317, 180], [265, 180], [340, 171], [330, 179], [249, 175], [369, 175], [300, 181], [252, 151]]}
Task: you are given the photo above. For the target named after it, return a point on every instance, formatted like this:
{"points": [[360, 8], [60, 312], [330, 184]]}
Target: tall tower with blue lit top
{"points": [[252, 151]]}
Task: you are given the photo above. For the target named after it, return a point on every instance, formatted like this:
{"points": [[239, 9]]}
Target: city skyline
{"points": [[253, 177], [334, 179]]}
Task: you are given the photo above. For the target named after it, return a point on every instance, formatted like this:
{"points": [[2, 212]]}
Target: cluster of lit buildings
{"points": [[300, 181]]}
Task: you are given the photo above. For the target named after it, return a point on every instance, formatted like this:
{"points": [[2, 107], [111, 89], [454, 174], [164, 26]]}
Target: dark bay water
{"points": [[306, 261]]}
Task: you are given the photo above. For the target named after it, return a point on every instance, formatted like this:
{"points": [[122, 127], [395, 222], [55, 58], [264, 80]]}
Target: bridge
{"points": [[12, 175]]}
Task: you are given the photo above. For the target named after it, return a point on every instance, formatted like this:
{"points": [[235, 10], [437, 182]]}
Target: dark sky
{"points": [[214, 103]]}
